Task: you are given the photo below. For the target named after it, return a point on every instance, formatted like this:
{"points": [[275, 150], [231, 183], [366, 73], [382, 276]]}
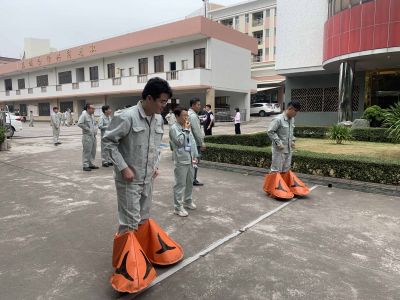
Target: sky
{"points": [[74, 22]]}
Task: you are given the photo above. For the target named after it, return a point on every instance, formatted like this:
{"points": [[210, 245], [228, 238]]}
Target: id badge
{"points": [[188, 148]]}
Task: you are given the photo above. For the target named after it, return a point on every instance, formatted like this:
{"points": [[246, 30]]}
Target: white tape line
{"points": [[211, 247]]}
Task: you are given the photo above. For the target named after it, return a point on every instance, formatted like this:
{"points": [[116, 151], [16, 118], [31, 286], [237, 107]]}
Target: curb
{"points": [[367, 187]]}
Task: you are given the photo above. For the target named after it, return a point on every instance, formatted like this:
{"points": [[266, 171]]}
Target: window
{"points": [[42, 80], [338, 6], [200, 58], [259, 36], [65, 105], [354, 2], [22, 110], [8, 84], [159, 64], [274, 50], [94, 73], [65, 77], [21, 84], [131, 71], [80, 74], [345, 4], [266, 32], [246, 18], [143, 66], [185, 64], [258, 19], [266, 53], [267, 13], [110, 70], [44, 109], [276, 11], [172, 66], [237, 22]]}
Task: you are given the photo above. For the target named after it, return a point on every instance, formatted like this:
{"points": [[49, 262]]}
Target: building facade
{"points": [[258, 19], [198, 57], [364, 34]]}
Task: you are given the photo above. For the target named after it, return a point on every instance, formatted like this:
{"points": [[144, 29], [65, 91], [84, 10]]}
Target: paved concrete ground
{"points": [[57, 225]]}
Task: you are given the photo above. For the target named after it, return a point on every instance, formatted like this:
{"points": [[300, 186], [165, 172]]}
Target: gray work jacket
{"points": [[280, 131], [104, 122], [131, 140], [196, 129], [55, 120], [181, 140], [88, 124]]}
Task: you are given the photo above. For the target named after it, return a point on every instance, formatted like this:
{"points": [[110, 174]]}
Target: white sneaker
{"points": [[191, 206], [181, 213]]}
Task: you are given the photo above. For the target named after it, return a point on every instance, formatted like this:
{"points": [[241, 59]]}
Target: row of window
{"points": [[66, 77], [258, 19], [259, 56], [336, 6]]}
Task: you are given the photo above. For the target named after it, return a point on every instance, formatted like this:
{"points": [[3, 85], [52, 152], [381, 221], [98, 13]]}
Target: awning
{"points": [[267, 88]]}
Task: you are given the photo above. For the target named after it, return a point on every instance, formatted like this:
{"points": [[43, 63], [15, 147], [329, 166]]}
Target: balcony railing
{"points": [[18, 92], [116, 81], [75, 85], [142, 78], [259, 41], [43, 89], [94, 83], [30, 90], [58, 87], [172, 75], [257, 58], [258, 22], [7, 93]]}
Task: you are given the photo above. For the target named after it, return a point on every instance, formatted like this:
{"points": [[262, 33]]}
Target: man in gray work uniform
{"points": [[55, 122], [104, 122], [198, 134], [280, 131], [133, 142], [89, 131]]}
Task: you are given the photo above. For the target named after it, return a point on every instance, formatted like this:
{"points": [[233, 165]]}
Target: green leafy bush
{"points": [[375, 115], [392, 120], [323, 164], [2, 134], [340, 133], [260, 139], [314, 132]]}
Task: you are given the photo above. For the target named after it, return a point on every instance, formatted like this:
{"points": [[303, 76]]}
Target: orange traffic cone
{"points": [[133, 270], [296, 186], [275, 186], [158, 246]]}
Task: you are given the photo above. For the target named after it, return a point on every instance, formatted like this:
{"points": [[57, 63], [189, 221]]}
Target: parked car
{"points": [[15, 124], [261, 109]]}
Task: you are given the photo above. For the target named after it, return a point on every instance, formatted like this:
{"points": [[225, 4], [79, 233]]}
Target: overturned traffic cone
{"points": [[133, 270], [275, 186], [295, 185], [158, 246]]}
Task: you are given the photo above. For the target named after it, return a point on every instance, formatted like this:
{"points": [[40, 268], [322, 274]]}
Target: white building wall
{"points": [[231, 67], [300, 30]]}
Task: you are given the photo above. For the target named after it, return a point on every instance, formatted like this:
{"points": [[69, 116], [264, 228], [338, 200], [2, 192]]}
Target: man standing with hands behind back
{"points": [[198, 134]]}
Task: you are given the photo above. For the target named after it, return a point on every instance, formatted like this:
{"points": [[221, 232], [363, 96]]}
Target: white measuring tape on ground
{"points": [[211, 247]]}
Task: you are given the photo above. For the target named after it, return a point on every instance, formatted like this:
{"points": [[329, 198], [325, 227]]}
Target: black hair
{"points": [[155, 87], [87, 105], [104, 108], [178, 110], [55, 107], [237, 109], [193, 101], [209, 106], [295, 104]]}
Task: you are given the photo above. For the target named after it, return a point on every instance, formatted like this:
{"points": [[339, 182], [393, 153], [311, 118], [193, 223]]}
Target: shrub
{"points": [[375, 115], [323, 164], [340, 133], [392, 120], [315, 132], [2, 134], [259, 139]]}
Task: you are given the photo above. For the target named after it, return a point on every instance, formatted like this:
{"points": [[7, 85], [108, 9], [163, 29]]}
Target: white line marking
{"points": [[211, 247]]}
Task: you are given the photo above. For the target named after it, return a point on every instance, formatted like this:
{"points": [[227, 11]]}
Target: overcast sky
{"points": [[74, 22]]}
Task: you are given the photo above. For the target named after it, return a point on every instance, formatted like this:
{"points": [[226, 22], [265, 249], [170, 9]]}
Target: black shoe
{"points": [[87, 169], [105, 165], [59, 143], [197, 183], [93, 167], [110, 164], [55, 144]]}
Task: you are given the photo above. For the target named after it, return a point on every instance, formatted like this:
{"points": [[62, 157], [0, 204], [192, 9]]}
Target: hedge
{"points": [[323, 164], [259, 139], [2, 134], [378, 135]]}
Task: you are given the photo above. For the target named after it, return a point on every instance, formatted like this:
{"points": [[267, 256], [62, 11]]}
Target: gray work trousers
{"points": [[183, 187], [134, 203], [89, 143], [56, 135], [281, 161]]}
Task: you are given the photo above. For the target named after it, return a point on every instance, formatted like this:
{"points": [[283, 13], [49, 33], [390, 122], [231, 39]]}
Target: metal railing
{"points": [[258, 22], [116, 81], [75, 85], [142, 78], [94, 83], [172, 75]]}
